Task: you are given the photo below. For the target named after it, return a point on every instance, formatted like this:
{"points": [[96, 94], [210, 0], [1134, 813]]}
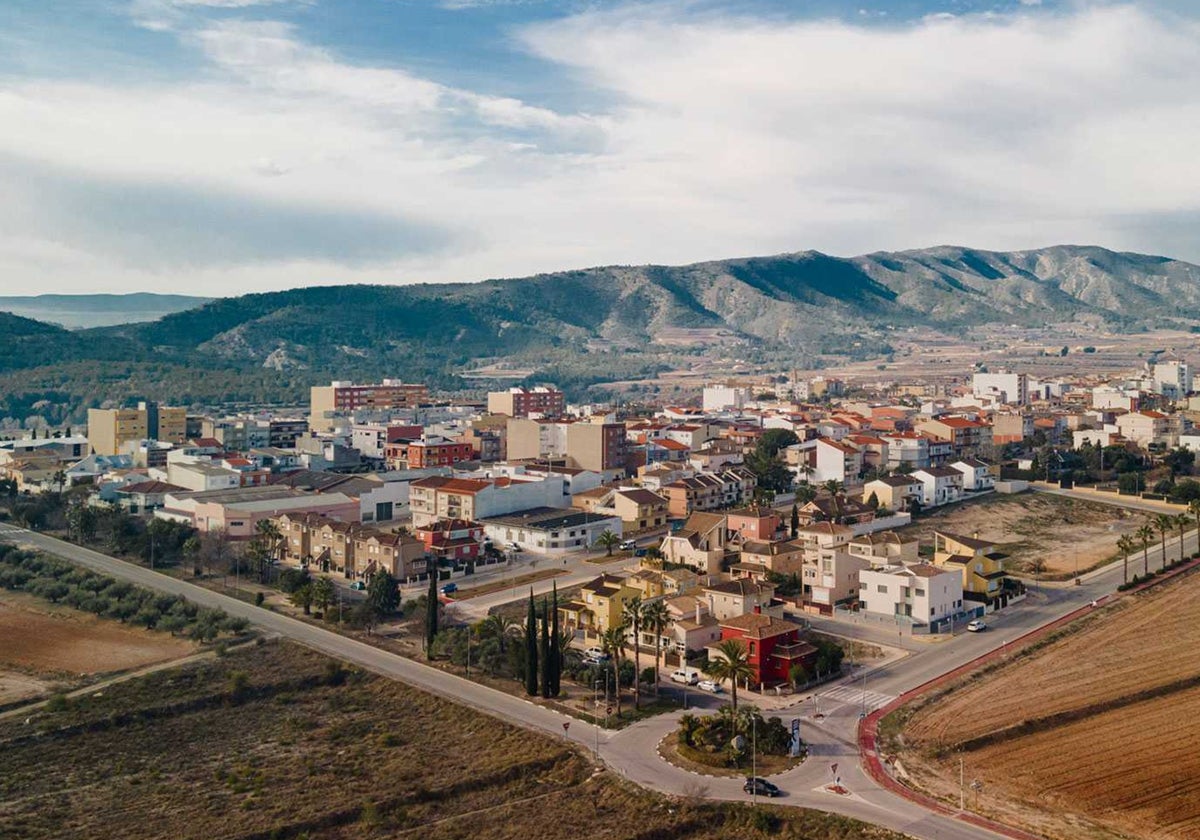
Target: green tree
{"points": [[731, 663], [795, 523], [544, 654], [1125, 545], [192, 553], [657, 620], [303, 598], [531, 649], [431, 610], [556, 650], [1164, 522], [1145, 534], [632, 615], [323, 594], [612, 642], [608, 541], [383, 593]]}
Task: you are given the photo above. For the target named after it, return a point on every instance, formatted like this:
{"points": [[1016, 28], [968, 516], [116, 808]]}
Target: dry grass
{"points": [[1061, 532], [509, 583], [298, 747], [1087, 735]]}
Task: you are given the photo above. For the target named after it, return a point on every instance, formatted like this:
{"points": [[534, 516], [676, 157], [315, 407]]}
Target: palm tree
{"points": [[632, 616], [731, 664], [323, 593], [1145, 534], [656, 619], [1194, 509], [612, 642], [608, 541], [832, 486], [1125, 545], [497, 627], [1164, 523], [1181, 522], [60, 480]]}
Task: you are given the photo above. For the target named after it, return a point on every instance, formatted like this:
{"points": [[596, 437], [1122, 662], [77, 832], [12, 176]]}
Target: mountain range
{"points": [[83, 311], [597, 324]]}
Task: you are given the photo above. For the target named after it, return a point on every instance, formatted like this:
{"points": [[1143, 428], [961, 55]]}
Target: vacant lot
{"points": [[43, 639], [1062, 532], [1094, 729], [277, 741]]}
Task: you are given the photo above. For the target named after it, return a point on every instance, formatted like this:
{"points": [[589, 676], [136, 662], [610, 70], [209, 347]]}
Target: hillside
{"points": [[601, 324], [81, 311]]}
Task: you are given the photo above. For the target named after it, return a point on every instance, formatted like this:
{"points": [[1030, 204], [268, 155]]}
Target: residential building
{"points": [[199, 476], [906, 449], [724, 397], [144, 496], [830, 572], [837, 508], [977, 476], [439, 497], [1149, 428], [885, 548], [939, 485], [918, 595], [760, 557], [423, 454], [526, 402], [710, 491], [639, 509], [372, 439], [979, 563], [348, 548], [738, 597], [237, 511], [692, 628], [327, 403], [457, 541], [1011, 388], [600, 606], [967, 437], [894, 492], [551, 531], [752, 523], [1011, 428], [591, 444], [109, 429], [701, 543], [1172, 378], [774, 646]]}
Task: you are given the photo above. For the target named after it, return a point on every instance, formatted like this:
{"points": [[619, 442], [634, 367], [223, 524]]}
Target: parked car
{"points": [[687, 676], [976, 625], [709, 685], [628, 545], [358, 586], [595, 653], [449, 588], [760, 787], [515, 546], [640, 552]]}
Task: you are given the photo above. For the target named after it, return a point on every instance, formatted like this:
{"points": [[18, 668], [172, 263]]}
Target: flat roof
{"points": [[546, 517]]}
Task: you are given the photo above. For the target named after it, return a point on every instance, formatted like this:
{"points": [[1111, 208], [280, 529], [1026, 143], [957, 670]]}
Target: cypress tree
{"points": [[556, 654], [795, 520], [544, 653], [531, 650], [431, 612]]}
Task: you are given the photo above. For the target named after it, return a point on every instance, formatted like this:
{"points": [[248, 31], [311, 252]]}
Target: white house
{"points": [[922, 594], [550, 530], [939, 485], [976, 475], [906, 448]]}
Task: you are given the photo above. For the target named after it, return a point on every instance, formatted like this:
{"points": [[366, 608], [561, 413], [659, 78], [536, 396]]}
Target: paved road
{"points": [[632, 752]]}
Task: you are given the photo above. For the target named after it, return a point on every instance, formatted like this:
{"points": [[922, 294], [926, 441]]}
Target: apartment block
{"points": [[341, 399], [109, 429], [522, 402]]}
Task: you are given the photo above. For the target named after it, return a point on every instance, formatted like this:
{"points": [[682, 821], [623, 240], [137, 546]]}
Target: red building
{"points": [[419, 454], [773, 646], [452, 539], [752, 523]]}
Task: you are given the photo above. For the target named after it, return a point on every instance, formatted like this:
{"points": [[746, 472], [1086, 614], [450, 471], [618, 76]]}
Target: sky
{"points": [[218, 147]]}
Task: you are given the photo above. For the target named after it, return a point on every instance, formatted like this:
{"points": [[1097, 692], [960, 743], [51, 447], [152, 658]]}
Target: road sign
{"points": [[566, 726]]}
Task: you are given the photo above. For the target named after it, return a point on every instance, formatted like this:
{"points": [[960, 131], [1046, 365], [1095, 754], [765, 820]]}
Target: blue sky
{"points": [[222, 146]]}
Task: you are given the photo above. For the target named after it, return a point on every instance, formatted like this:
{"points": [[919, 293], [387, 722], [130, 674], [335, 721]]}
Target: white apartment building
{"points": [[939, 485], [1010, 388], [1172, 378], [438, 497], [724, 397], [977, 476], [906, 448], [922, 594]]}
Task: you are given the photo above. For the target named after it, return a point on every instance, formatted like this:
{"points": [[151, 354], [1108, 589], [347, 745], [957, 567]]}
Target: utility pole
{"points": [[754, 760], [962, 790]]}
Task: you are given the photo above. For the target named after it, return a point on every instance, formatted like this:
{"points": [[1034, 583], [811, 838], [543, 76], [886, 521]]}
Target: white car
{"points": [[595, 653], [629, 545], [687, 677], [709, 685], [976, 626]]}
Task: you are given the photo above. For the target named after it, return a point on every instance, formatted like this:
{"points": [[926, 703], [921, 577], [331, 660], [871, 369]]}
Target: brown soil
{"points": [[42, 639], [509, 583], [1064, 533], [1087, 736]]}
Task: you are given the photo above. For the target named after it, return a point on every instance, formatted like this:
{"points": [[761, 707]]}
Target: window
{"points": [[881, 587], [920, 593]]}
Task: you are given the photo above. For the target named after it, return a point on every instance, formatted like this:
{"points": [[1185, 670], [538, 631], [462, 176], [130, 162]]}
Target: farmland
{"points": [[275, 740], [1082, 736], [1059, 531]]}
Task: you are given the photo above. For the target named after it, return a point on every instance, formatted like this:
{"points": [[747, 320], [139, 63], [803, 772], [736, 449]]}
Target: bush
{"points": [[647, 676], [259, 598]]}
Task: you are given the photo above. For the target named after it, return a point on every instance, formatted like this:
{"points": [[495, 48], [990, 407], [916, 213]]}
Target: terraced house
{"points": [[348, 548]]}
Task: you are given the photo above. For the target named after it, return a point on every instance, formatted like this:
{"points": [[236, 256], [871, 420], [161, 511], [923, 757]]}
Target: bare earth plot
{"points": [[1093, 735], [41, 639], [1060, 531]]}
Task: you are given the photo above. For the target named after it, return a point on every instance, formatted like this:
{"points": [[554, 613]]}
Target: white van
{"points": [[687, 676]]}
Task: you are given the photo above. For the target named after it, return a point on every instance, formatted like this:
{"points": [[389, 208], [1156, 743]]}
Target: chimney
{"points": [[697, 610]]}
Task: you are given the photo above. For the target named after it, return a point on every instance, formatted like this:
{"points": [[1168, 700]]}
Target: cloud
{"points": [[724, 134]]}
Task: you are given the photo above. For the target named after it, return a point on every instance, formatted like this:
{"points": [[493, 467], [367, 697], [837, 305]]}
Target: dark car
{"points": [[760, 787]]}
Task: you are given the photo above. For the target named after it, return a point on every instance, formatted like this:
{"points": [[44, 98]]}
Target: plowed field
{"points": [[1097, 730]]}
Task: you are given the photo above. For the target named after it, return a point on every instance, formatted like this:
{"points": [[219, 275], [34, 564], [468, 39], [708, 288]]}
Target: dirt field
{"points": [[15, 686], [277, 741], [1060, 531], [1093, 733], [42, 639]]}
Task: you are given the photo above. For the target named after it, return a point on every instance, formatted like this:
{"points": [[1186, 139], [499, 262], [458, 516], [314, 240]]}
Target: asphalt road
{"points": [[632, 752]]}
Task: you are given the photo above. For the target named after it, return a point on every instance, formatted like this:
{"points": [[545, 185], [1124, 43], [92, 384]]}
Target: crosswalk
{"points": [[852, 695]]}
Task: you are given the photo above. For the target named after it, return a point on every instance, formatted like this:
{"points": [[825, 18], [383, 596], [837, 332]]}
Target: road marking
{"points": [[851, 696]]}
